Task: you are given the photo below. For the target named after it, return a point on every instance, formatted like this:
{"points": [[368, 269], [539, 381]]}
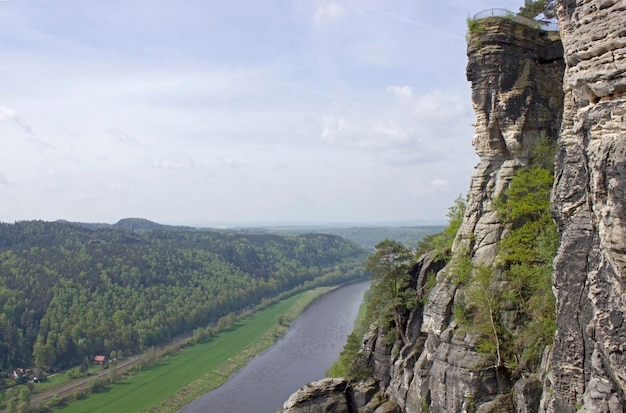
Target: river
{"points": [[302, 355]]}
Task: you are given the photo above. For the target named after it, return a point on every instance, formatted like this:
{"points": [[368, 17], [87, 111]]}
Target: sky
{"points": [[208, 113]]}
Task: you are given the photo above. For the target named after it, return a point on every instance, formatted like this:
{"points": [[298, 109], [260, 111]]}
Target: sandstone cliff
{"points": [[589, 204], [519, 95], [515, 73]]}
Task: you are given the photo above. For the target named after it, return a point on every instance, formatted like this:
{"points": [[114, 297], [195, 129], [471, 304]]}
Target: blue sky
{"points": [[222, 112]]}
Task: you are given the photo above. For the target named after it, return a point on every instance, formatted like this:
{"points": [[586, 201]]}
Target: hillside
{"points": [[366, 237], [68, 292]]}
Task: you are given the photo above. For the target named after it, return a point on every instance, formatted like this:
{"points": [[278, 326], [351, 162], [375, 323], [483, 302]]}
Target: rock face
{"points": [[516, 74], [589, 204], [519, 95], [327, 395], [339, 396]]}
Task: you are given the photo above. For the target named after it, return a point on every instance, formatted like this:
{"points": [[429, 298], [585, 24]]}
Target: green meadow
{"points": [[178, 379]]}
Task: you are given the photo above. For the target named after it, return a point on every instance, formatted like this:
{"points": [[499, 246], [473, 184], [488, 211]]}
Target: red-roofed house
{"points": [[99, 360]]}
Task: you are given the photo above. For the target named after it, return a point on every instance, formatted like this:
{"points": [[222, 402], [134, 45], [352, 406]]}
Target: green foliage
{"points": [[460, 314], [455, 217], [461, 268], [474, 27], [534, 8], [522, 291], [525, 206], [74, 373], [44, 354], [528, 195], [389, 266], [435, 244], [391, 295], [200, 367], [366, 237], [350, 364], [485, 306], [69, 292], [113, 374], [18, 400], [429, 284], [474, 30], [440, 244]]}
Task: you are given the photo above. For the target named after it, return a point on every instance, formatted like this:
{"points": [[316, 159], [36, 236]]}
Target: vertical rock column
{"points": [[589, 204], [516, 74]]}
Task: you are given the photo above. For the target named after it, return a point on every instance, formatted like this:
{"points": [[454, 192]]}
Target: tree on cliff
{"points": [[534, 8], [515, 323], [391, 294], [440, 244]]}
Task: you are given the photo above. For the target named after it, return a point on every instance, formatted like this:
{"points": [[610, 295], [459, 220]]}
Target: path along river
{"points": [[302, 355]]}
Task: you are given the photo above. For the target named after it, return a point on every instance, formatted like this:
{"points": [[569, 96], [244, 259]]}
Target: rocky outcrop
{"points": [[520, 95], [515, 72], [589, 204], [327, 395], [339, 396]]}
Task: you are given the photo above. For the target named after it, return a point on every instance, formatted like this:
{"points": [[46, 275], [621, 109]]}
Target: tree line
{"points": [[68, 291]]}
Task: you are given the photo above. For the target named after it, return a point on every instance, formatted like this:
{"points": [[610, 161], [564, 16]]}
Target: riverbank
{"points": [[179, 379], [302, 355]]}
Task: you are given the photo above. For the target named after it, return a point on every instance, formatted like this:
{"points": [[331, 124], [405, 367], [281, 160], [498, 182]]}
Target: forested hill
{"points": [[68, 291], [366, 237]]}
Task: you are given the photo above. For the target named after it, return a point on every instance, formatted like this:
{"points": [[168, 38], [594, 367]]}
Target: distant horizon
{"points": [[333, 224], [261, 224]]}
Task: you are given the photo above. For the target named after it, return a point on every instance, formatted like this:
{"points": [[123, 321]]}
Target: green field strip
{"points": [[201, 366]]}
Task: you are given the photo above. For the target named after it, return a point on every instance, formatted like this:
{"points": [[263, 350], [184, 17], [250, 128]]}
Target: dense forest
{"points": [[70, 291]]}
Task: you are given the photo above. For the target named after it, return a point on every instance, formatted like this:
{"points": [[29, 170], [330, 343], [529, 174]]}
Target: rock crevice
{"points": [[588, 366]]}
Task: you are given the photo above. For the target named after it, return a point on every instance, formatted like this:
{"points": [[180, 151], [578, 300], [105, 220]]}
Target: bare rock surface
{"points": [[589, 203], [515, 73], [323, 396]]}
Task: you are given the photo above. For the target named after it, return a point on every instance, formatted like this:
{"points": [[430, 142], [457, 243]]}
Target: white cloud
{"points": [[125, 138], [328, 11], [361, 129], [434, 105], [183, 162], [402, 92], [315, 118], [439, 183], [332, 127], [232, 163], [8, 114], [407, 129], [4, 181]]}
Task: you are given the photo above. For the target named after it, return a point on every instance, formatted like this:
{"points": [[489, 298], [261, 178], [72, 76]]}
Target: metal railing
{"points": [[547, 25]]}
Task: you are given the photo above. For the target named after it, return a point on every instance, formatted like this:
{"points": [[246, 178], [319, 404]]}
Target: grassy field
{"points": [[179, 379]]}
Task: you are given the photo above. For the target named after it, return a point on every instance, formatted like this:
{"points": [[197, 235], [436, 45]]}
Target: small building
{"points": [[22, 375], [99, 360]]}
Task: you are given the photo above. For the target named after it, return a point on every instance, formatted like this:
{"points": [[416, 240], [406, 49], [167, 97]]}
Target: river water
{"points": [[302, 355]]}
